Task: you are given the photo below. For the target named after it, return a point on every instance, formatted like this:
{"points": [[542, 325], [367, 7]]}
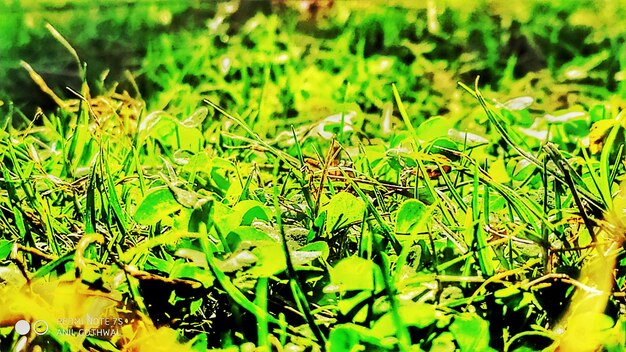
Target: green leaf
{"points": [[434, 128], [270, 260], [344, 208], [199, 343], [317, 246], [195, 119], [250, 210], [154, 263], [471, 332], [192, 218], [451, 294], [158, 204], [192, 255], [5, 249], [188, 199], [348, 337], [519, 103], [197, 162], [237, 261], [164, 130], [300, 257], [148, 122], [412, 216], [419, 315], [11, 275], [343, 276], [520, 169], [343, 339], [443, 343], [225, 218], [189, 139], [355, 307], [192, 272], [246, 237], [507, 292], [597, 113], [565, 117], [467, 138], [99, 345]]}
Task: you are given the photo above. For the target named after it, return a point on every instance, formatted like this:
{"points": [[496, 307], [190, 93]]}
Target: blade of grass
{"points": [[306, 190], [593, 174], [43, 86], [343, 113], [330, 156], [619, 155], [437, 200], [90, 204], [404, 114], [402, 332], [53, 265], [234, 293], [544, 230], [289, 160], [294, 280], [114, 203], [68, 47], [558, 159], [494, 117], [386, 230], [49, 226], [366, 242], [605, 162], [482, 247], [370, 173], [452, 188], [245, 190], [263, 324], [18, 217]]}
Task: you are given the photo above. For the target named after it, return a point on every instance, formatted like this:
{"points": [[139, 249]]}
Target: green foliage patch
{"points": [[335, 178]]}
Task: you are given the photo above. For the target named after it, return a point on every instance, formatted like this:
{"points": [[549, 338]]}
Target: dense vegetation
{"points": [[339, 176]]}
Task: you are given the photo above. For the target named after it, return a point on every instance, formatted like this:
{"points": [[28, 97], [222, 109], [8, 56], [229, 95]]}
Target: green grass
{"points": [[401, 177]]}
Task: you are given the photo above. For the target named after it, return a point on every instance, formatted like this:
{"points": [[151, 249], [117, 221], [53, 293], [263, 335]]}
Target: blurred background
{"points": [[560, 53]]}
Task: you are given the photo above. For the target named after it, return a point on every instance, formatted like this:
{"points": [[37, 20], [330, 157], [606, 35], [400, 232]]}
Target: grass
{"points": [[439, 177]]}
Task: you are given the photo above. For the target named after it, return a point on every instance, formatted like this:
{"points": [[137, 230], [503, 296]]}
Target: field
{"points": [[312, 175]]}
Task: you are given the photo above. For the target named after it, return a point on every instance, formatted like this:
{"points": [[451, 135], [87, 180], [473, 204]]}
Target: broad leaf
{"points": [[154, 263], [271, 260], [192, 272], [196, 118], [158, 204], [434, 128], [246, 237], [519, 103], [343, 209], [419, 315], [355, 273], [5, 249], [348, 337], [412, 216], [318, 246], [471, 332], [250, 210]]}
